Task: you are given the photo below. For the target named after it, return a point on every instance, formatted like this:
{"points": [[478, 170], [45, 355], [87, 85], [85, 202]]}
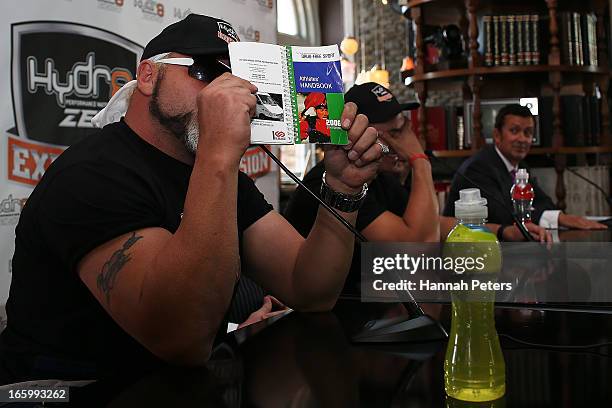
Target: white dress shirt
{"points": [[549, 218]]}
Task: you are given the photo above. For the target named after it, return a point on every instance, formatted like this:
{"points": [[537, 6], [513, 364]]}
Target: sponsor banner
{"points": [[58, 88], [61, 65], [255, 162], [27, 161]]}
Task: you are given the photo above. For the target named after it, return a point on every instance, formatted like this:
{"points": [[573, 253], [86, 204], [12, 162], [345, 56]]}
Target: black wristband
{"points": [[500, 232]]}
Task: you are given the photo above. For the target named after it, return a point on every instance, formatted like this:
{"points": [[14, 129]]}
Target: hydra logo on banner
{"points": [[62, 74]]}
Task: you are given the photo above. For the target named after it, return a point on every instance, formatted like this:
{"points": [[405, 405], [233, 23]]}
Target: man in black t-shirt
{"points": [[129, 249]]}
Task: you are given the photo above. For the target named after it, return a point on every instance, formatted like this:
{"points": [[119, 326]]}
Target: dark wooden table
{"points": [[308, 360]]}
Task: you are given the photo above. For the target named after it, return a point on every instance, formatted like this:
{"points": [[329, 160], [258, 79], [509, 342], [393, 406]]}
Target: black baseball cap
{"points": [[195, 35], [376, 102]]}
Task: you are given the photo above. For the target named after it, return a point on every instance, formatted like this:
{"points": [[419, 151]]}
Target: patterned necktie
{"points": [[513, 175]]}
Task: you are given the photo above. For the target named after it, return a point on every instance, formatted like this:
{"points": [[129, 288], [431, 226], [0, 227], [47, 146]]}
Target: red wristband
{"points": [[417, 156]]}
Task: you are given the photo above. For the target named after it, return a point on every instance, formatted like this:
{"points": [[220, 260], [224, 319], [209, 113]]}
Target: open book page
{"points": [[265, 66], [300, 92]]}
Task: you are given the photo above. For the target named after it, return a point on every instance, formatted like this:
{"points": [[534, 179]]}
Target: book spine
{"points": [[460, 132], [511, 41], [570, 42], [593, 39], [586, 120], [535, 53], [562, 38], [545, 121], [503, 24], [520, 54], [488, 51], [580, 126], [451, 128], [584, 37], [496, 49], [595, 121], [290, 97], [580, 37], [528, 37], [577, 43], [592, 51]]}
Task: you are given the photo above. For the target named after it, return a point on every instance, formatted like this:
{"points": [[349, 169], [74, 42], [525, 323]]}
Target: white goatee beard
{"points": [[192, 134]]}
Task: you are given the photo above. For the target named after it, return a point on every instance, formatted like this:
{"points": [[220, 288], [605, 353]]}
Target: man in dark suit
{"points": [[494, 167]]}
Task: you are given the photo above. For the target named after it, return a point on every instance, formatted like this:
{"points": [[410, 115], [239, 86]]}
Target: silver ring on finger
{"points": [[383, 147]]}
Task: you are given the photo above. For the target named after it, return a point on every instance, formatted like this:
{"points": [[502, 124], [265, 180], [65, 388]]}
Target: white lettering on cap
{"points": [[381, 93], [226, 32]]}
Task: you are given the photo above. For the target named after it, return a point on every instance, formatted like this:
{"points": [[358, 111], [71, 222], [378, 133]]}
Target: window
{"points": [[287, 18], [298, 24]]}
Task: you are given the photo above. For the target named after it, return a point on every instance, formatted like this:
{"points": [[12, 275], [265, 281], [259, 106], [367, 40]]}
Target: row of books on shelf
{"points": [[518, 39], [511, 39], [580, 120], [578, 38]]}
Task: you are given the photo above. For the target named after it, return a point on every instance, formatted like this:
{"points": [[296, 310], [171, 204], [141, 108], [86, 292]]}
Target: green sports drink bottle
{"points": [[474, 367]]}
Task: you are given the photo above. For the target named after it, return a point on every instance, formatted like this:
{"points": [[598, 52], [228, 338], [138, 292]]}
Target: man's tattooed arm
{"points": [[110, 269]]}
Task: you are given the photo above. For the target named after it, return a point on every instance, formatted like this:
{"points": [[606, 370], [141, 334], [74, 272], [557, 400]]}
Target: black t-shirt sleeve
{"points": [[251, 203], [371, 209], [88, 204]]}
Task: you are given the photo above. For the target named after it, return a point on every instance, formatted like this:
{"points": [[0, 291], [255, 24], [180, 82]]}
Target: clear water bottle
{"points": [[522, 196], [474, 367]]}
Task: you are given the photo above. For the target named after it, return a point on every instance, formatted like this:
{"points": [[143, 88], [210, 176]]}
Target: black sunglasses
{"points": [[207, 69], [204, 69]]}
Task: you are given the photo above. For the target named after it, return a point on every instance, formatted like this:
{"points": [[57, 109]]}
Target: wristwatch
{"points": [[341, 201]]}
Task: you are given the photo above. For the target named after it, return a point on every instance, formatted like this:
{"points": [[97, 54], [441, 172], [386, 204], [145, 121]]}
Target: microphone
{"points": [[574, 172], [518, 223]]}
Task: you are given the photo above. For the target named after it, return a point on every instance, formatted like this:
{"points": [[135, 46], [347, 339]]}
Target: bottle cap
{"points": [[471, 204], [522, 174]]}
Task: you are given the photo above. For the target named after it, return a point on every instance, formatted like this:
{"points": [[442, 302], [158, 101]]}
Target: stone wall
{"points": [[393, 28]]}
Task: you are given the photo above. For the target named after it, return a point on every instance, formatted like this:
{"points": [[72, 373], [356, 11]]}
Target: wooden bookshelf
{"points": [[516, 69], [475, 75]]}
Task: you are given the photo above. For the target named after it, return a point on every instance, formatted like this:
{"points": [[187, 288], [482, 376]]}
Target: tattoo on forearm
{"points": [[110, 269]]}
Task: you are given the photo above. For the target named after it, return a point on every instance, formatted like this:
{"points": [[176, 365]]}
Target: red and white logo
{"points": [[278, 135], [255, 162]]}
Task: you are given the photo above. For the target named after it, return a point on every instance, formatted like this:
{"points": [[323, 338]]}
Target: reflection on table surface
{"points": [[307, 360], [585, 235]]}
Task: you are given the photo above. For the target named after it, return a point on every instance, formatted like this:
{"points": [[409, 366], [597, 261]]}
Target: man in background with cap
{"points": [[391, 212], [387, 213], [128, 252]]}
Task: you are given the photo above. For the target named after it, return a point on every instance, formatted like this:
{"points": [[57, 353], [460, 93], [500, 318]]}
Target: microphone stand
{"points": [[421, 328], [598, 188]]}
